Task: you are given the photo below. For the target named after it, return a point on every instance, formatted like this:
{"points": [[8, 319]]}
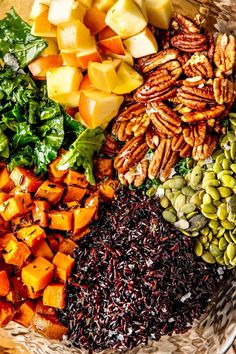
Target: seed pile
{"points": [[135, 278]]}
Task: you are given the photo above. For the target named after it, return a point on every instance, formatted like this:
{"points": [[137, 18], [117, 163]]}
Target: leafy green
{"points": [[184, 166], [23, 158], [81, 152], [16, 38], [3, 145]]}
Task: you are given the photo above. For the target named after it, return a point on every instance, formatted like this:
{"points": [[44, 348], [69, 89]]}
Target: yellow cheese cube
{"points": [[102, 76], [142, 44], [159, 13], [64, 79], [128, 79], [64, 11], [42, 27], [125, 18]]}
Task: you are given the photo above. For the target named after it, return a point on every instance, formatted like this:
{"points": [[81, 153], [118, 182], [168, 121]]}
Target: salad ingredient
{"points": [[88, 55], [4, 283], [60, 220], [82, 217], [125, 18], [31, 234], [16, 253], [95, 20], [63, 266], [124, 288], [36, 10], [41, 27], [128, 79], [112, 44], [143, 43], [54, 296], [25, 179], [41, 65], [98, 108], [41, 249], [52, 192], [103, 5], [48, 326], [6, 313], [52, 48], [159, 13], [25, 313], [61, 11], [24, 46], [103, 76]]}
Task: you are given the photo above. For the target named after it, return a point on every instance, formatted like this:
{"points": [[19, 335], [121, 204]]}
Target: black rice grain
{"points": [[136, 278]]}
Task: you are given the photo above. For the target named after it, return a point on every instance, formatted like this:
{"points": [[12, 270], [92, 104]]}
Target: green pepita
{"points": [[214, 250], [196, 176], [226, 259], [211, 182], [231, 251], [222, 212], [228, 181], [208, 208], [182, 224], [233, 151], [214, 224], [188, 208], [197, 222], [220, 232], [169, 216], [208, 258], [223, 244], [225, 191], [227, 224], [203, 239], [164, 201], [233, 167], [224, 173], [198, 248], [195, 199], [217, 167], [207, 199], [179, 202], [213, 192], [226, 164], [188, 191], [211, 216], [177, 182], [190, 215]]}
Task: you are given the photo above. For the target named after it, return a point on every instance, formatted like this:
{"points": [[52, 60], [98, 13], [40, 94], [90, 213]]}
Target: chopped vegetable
{"points": [[40, 212], [82, 217], [76, 179], [54, 295], [31, 235], [42, 249], [16, 253], [61, 220], [73, 193], [25, 313], [50, 191], [6, 313], [48, 326], [4, 283], [25, 179], [64, 265]]}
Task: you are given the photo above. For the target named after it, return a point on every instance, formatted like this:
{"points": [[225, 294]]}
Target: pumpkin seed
{"points": [[231, 251], [188, 208], [233, 262], [195, 199], [229, 181], [232, 218], [213, 192], [205, 230], [198, 248], [196, 176], [222, 244], [182, 224], [233, 236], [176, 194], [203, 239], [170, 196], [226, 259], [207, 199], [210, 236], [197, 222], [179, 202], [215, 241], [227, 154], [224, 173], [190, 215], [188, 191], [164, 201], [222, 212], [225, 191], [226, 164], [220, 260], [211, 182], [220, 232], [169, 216], [216, 153], [206, 245], [208, 208], [231, 205], [214, 250], [208, 258], [211, 216], [227, 224], [220, 157], [177, 182], [233, 167], [233, 151], [228, 237], [217, 167], [214, 224]]}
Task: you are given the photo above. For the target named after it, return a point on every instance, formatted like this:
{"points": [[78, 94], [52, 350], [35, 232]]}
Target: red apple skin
{"points": [[84, 60], [85, 83]]}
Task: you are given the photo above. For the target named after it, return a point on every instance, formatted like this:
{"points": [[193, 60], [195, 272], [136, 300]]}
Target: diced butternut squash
{"points": [[103, 76], [67, 99], [54, 241], [64, 265], [18, 292], [74, 36], [82, 217], [70, 205], [19, 205], [127, 57], [103, 168], [106, 33], [42, 27], [92, 201], [77, 179], [128, 79], [41, 65], [38, 274], [52, 48], [61, 220], [4, 240], [103, 5], [25, 179], [25, 313], [113, 45], [31, 235], [85, 83], [97, 108], [3, 197], [142, 44], [6, 313], [65, 11], [4, 283], [74, 194], [6, 183], [84, 57], [50, 191], [16, 253], [159, 13], [42, 249], [67, 246], [21, 221], [125, 18], [48, 326], [108, 189], [70, 59], [40, 212], [81, 234], [44, 310], [54, 295], [94, 19], [34, 294], [4, 227]]}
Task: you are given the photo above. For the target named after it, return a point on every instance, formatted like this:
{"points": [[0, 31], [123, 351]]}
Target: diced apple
{"points": [[98, 108], [37, 9], [86, 3], [94, 19], [128, 79], [80, 120], [65, 11], [70, 59], [107, 32], [74, 36], [85, 83], [102, 76], [63, 80], [70, 99], [45, 2], [159, 13], [142, 44], [86, 56], [142, 5], [52, 48], [103, 5], [127, 57], [113, 45], [125, 18], [41, 65], [42, 27]]}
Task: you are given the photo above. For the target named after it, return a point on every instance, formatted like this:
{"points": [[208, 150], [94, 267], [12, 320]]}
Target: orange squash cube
{"points": [[50, 191], [74, 194], [61, 220], [3, 197], [41, 249], [67, 246], [21, 221], [74, 178], [6, 183], [108, 189], [6, 313], [31, 235], [16, 253], [4, 240], [54, 295], [18, 205], [18, 292], [94, 19], [25, 179], [55, 174], [37, 274], [4, 283], [25, 313], [34, 294], [40, 212], [64, 265], [82, 217]]}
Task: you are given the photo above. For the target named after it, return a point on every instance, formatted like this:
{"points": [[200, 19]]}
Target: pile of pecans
{"points": [[188, 89]]}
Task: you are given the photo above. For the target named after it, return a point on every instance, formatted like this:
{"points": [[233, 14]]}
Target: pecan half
{"points": [[142, 169], [159, 158], [196, 98], [199, 65], [165, 173], [133, 152], [223, 90], [110, 147], [194, 81], [178, 144], [225, 54], [211, 43], [194, 117], [195, 135], [186, 24], [190, 43], [202, 152], [151, 62], [153, 138], [185, 151], [159, 87]]}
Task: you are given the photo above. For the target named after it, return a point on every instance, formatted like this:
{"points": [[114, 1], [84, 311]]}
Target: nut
{"points": [[194, 81], [194, 117], [199, 65], [223, 90], [195, 135], [203, 151], [154, 61], [110, 147], [225, 54], [142, 168], [186, 24], [194, 97], [190, 42], [159, 158], [153, 138]]}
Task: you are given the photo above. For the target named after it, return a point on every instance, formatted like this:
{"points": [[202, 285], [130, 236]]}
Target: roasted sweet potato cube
{"points": [[61, 220], [21, 221], [18, 205], [6, 313], [82, 217], [6, 183], [69, 206], [92, 201], [44, 310], [54, 295], [67, 246], [16, 253], [18, 292], [74, 194], [3, 197], [55, 174], [50, 191], [64, 265], [103, 168], [4, 283], [42, 249], [108, 189], [4, 240], [38, 274], [31, 235], [74, 178], [34, 294], [25, 179], [25, 313], [40, 212], [54, 241], [48, 326]]}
